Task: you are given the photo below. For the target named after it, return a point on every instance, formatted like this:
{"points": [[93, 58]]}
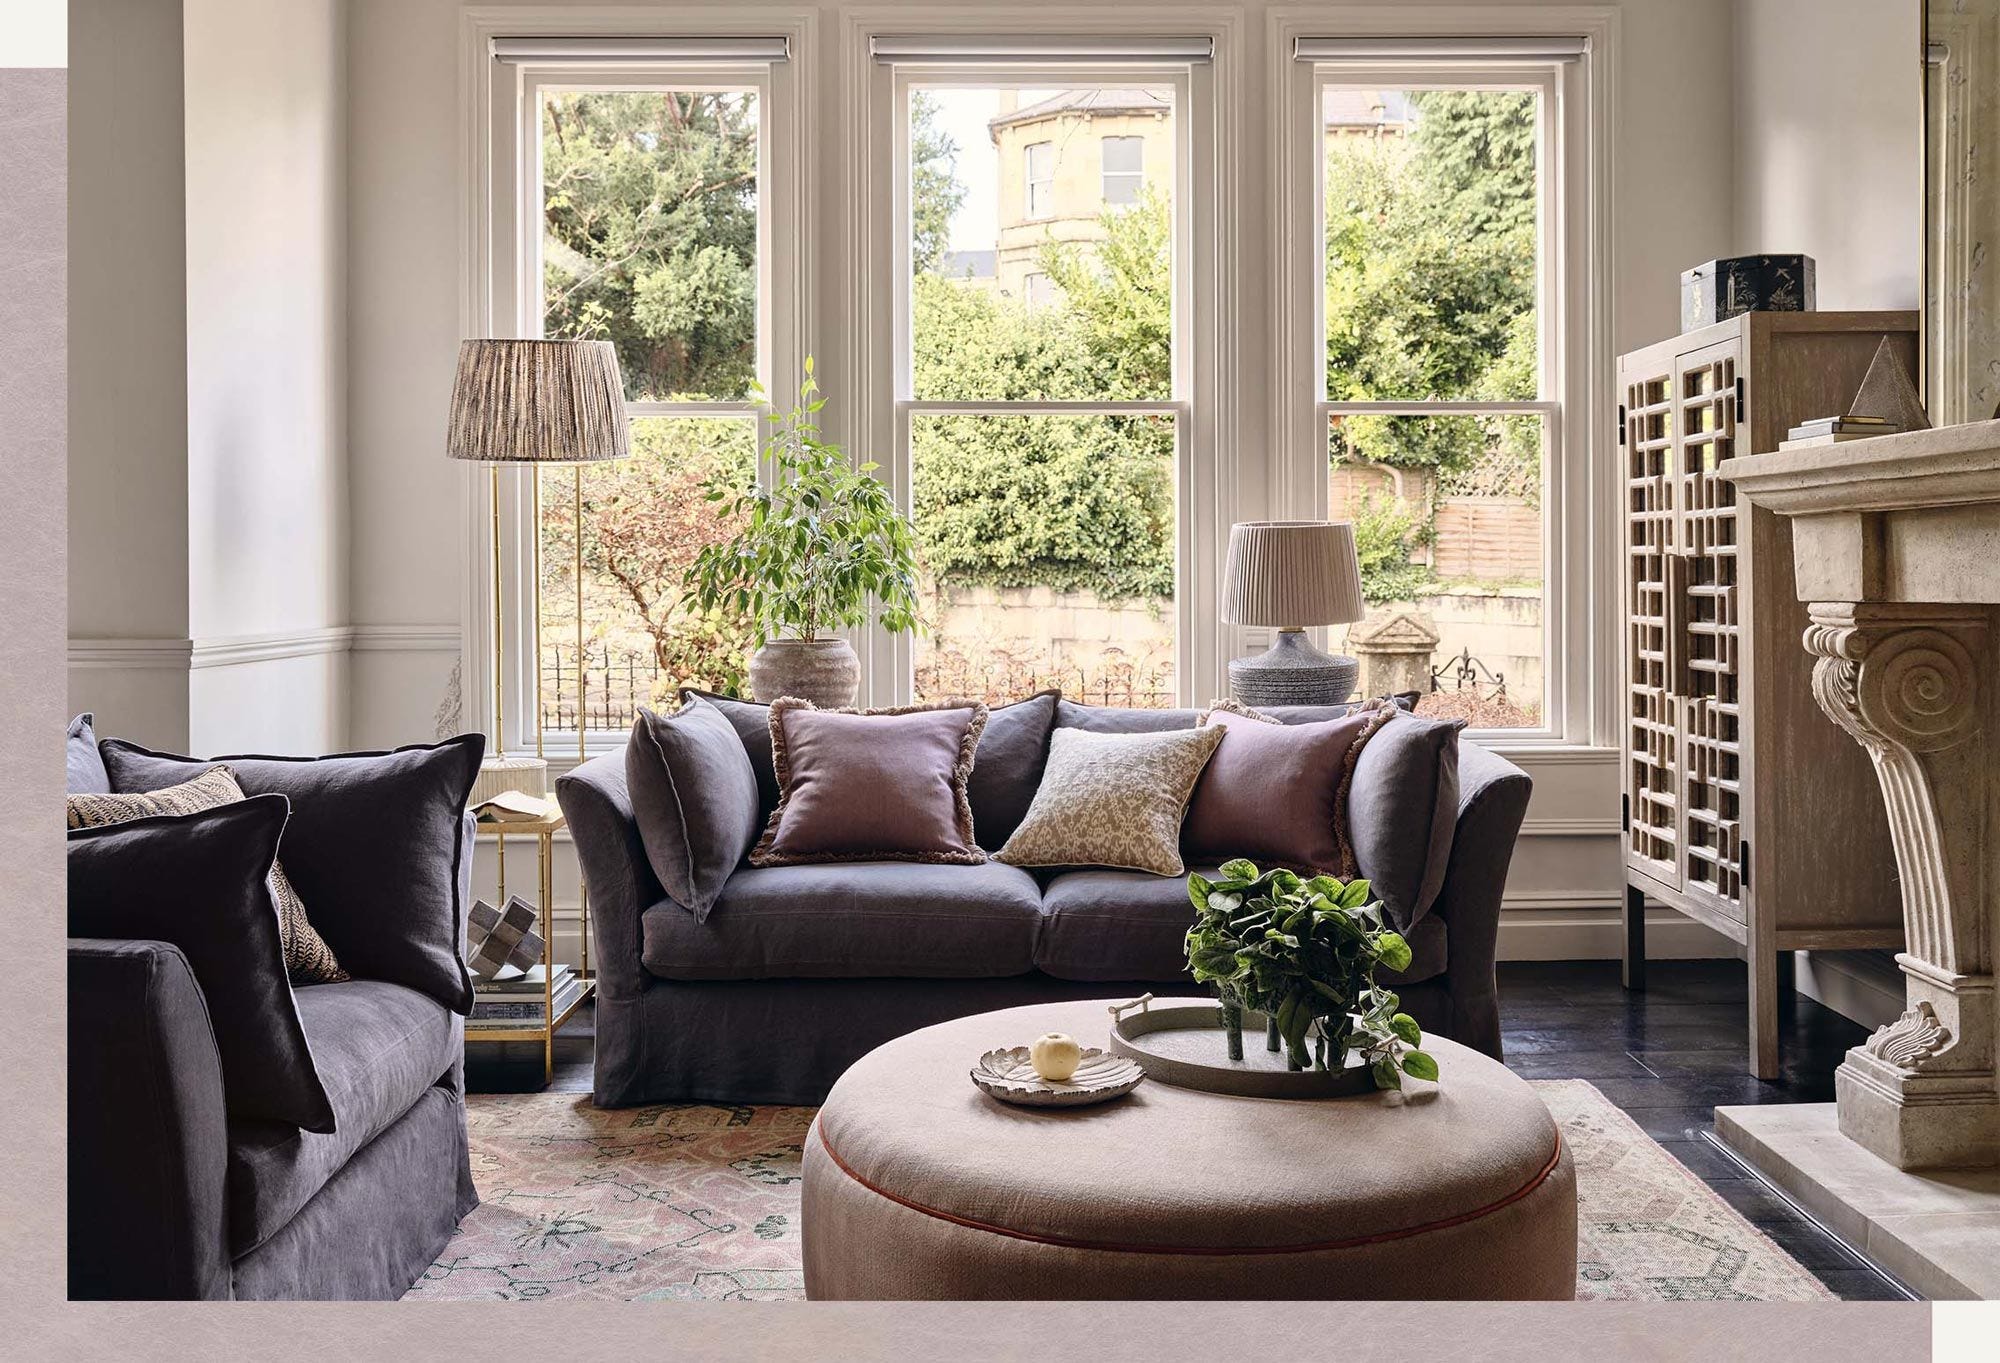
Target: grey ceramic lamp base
{"points": [[1293, 672]]}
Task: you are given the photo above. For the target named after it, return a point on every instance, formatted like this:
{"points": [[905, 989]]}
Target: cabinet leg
{"points": [[1635, 937], [1764, 1013]]}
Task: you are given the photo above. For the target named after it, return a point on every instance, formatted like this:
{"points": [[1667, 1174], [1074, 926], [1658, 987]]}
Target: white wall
{"points": [[128, 523], [266, 374], [1829, 143]]}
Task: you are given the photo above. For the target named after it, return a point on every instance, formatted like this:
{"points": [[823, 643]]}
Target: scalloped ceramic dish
{"points": [[1009, 1075]]}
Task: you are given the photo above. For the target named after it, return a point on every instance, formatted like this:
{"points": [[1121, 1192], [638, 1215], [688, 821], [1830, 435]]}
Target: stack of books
{"points": [[1833, 430], [516, 1002]]}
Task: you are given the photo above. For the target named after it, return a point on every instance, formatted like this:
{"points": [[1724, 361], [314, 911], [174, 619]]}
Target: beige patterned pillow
{"points": [[1113, 800], [308, 959]]}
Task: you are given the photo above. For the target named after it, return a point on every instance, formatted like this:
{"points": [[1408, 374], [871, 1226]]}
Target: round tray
{"points": [[1009, 1075], [1182, 1042]]}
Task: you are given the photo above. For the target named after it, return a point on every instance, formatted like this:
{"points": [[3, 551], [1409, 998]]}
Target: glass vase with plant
{"points": [[823, 548], [1304, 953]]}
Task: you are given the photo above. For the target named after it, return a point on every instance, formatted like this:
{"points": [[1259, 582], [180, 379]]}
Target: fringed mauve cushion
{"points": [[1277, 793], [871, 785]]}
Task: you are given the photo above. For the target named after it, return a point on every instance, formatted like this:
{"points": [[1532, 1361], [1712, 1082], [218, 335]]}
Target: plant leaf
{"points": [[1420, 1065]]}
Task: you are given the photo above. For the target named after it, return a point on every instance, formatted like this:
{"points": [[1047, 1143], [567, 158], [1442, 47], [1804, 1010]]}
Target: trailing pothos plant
{"points": [[818, 546], [1303, 952]]}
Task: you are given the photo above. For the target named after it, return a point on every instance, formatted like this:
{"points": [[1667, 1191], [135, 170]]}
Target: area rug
{"points": [[701, 1203]]}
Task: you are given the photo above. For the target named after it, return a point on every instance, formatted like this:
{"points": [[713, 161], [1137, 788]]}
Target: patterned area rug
{"points": [[702, 1203]]}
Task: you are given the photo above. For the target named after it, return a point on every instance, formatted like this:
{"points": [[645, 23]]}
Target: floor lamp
{"points": [[534, 403]]}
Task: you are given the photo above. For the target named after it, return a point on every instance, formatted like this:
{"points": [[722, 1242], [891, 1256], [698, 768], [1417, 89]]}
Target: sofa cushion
{"points": [[378, 1046], [1112, 799], [694, 798], [1402, 811], [1111, 719], [871, 785], [1007, 769], [374, 845], [85, 773], [1277, 793], [202, 881], [1126, 925], [752, 723], [853, 920]]}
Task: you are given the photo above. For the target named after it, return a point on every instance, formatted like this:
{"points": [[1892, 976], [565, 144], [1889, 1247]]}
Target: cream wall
{"points": [[1829, 143], [266, 374]]}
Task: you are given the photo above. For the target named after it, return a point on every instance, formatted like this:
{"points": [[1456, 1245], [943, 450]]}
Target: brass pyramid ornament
{"points": [[1886, 391]]}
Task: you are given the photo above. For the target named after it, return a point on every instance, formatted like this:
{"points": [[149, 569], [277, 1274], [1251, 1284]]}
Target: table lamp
{"points": [[1291, 575]]}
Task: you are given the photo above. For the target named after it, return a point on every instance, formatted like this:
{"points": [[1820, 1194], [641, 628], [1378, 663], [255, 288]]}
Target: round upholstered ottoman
{"points": [[919, 1186]]}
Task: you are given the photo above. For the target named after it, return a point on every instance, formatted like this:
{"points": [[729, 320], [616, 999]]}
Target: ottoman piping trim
{"points": [[1116, 1247]]}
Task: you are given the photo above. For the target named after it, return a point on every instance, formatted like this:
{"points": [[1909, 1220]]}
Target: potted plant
{"points": [[1304, 952], [818, 548]]}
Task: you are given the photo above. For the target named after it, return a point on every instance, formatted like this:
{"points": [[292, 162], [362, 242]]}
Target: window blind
{"points": [[1535, 48], [606, 50], [960, 49]]}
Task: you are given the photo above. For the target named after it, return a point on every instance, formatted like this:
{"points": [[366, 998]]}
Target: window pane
{"points": [[1048, 547], [649, 214], [1005, 184], [1431, 202], [644, 520], [1447, 514], [1124, 169]]}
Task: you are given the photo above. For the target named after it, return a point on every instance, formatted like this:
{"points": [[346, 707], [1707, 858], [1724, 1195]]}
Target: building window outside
{"points": [[1039, 168], [1036, 290], [1124, 169]]}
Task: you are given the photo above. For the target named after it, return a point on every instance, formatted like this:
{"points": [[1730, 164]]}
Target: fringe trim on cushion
{"points": [[1235, 707], [961, 772], [1382, 711]]}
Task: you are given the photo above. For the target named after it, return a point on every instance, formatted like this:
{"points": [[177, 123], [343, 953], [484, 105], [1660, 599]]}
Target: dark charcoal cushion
{"points": [[873, 785], [853, 921], [1126, 925], [374, 846], [1277, 793], [379, 1047], [202, 882], [752, 723], [694, 796], [1007, 769], [1107, 719], [1402, 810], [86, 774]]}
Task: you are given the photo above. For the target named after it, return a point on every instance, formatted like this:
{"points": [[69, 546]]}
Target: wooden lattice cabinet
{"points": [[1745, 808]]}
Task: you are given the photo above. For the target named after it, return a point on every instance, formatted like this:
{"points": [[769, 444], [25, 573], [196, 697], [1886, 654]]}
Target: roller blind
{"points": [[699, 51], [963, 49], [1539, 48]]}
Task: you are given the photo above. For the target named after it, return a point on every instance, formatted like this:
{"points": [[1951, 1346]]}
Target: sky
{"points": [[962, 115]]}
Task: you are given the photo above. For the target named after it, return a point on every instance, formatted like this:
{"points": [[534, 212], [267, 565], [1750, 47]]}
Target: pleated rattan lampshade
{"points": [[537, 402], [1292, 574]]}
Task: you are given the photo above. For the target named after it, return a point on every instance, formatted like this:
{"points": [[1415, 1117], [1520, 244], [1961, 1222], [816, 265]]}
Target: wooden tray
{"points": [[1182, 1042]]}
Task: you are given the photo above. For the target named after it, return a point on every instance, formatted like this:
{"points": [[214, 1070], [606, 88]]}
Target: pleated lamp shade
{"points": [[1291, 574], [536, 402]]}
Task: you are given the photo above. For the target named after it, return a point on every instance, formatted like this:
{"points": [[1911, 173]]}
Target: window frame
{"points": [[1581, 573], [1030, 182], [508, 214]]}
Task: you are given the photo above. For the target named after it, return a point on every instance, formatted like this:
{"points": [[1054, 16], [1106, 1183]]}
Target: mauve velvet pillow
{"points": [[694, 796], [1277, 793], [876, 785], [202, 882]]}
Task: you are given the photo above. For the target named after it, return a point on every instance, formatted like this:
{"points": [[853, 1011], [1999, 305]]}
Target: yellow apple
{"points": [[1055, 1056]]}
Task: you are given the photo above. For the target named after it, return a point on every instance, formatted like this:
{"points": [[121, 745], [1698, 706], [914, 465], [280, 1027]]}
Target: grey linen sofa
{"points": [[798, 971]]}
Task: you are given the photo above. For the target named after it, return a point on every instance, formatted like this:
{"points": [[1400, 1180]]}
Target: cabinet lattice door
{"points": [[1652, 544]]}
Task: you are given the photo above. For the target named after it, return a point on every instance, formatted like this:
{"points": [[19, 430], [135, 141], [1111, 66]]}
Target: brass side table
{"points": [[543, 831]]}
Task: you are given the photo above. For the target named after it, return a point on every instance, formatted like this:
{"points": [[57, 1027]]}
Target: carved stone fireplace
{"points": [[1896, 544]]}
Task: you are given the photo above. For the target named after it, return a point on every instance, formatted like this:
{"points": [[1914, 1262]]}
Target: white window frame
{"points": [[1202, 506], [1105, 175], [1582, 576], [1030, 210], [502, 295]]}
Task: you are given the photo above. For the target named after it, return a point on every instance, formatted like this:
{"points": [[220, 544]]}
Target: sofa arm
{"points": [[148, 1138], [1492, 802], [620, 880]]}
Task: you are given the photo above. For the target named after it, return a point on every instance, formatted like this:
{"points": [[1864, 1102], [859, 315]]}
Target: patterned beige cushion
{"points": [[1113, 800], [308, 959]]}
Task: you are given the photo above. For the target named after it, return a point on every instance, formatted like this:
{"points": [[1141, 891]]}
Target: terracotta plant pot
{"points": [[823, 671]]}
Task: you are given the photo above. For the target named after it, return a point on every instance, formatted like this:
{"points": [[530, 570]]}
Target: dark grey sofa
{"points": [[170, 1198], [799, 971]]}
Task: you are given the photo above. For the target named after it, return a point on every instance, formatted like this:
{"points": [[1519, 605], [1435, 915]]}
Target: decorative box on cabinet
{"points": [[1745, 808]]}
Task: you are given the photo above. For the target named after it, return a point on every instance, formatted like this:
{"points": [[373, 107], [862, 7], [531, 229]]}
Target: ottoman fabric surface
{"points": [[918, 1185]]}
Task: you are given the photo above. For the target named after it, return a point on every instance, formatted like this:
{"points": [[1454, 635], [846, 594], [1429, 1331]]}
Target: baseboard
{"points": [[1863, 986], [1561, 926]]}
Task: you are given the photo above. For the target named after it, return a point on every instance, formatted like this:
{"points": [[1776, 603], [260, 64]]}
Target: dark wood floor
{"points": [[1667, 1056]]}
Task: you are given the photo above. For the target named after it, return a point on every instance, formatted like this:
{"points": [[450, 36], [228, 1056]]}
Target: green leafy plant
{"points": [[1304, 952], [816, 548]]}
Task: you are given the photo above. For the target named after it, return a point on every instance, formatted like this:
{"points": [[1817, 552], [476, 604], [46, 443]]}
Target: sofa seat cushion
{"points": [[378, 1047], [853, 921], [1127, 925]]}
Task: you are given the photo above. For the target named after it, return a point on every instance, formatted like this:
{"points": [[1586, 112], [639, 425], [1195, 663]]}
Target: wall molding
{"points": [[277, 646], [131, 653], [407, 638], [1571, 828]]}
